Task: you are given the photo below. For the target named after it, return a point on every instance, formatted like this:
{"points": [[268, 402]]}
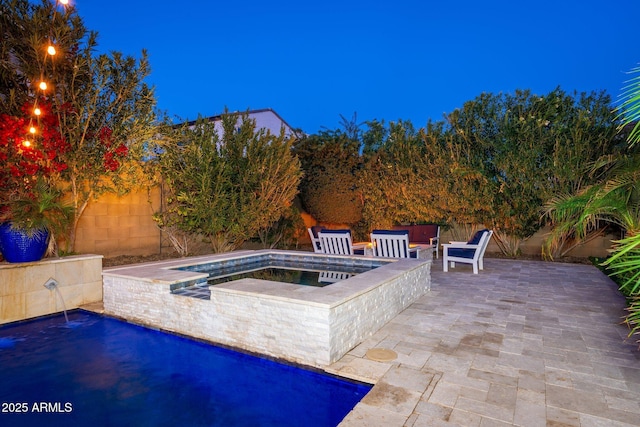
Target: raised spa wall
{"points": [[310, 325], [23, 294]]}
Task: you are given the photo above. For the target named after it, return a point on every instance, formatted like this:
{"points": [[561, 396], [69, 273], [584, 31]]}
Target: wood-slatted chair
{"points": [[336, 242], [313, 234], [333, 276], [391, 244]]}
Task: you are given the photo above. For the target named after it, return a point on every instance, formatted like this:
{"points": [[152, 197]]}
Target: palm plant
{"points": [[575, 221], [633, 318], [625, 261], [37, 209], [615, 199], [629, 109]]}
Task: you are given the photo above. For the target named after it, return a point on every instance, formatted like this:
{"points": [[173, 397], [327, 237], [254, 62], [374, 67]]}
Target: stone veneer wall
{"points": [[359, 318], [22, 291], [307, 332]]}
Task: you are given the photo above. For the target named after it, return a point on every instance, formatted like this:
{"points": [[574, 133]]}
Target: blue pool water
{"points": [[296, 276], [98, 371]]}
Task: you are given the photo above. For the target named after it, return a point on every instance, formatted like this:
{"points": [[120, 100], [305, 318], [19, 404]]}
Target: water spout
{"points": [[52, 284]]}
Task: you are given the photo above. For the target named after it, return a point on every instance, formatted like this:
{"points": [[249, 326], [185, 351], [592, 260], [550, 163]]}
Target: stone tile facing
{"points": [[310, 325], [523, 343]]}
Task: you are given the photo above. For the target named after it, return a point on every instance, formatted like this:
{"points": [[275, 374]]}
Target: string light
{"points": [[51, 51]]}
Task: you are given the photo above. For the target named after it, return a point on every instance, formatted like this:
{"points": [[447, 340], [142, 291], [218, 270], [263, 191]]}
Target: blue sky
{"points": [[409, 59]]}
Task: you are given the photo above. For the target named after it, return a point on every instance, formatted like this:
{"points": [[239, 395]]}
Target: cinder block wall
{"points": [[113, 225]]}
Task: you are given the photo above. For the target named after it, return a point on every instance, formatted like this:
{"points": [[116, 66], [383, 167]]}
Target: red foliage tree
{"points": [[25, 156]]}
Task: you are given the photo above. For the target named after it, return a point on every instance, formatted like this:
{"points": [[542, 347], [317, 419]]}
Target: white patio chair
{"points": [[333, 276], [315, 241], [435, 241], [471, 252], [336, 242], [390, 243]]}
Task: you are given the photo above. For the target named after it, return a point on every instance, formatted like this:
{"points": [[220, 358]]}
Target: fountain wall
{"points": [[23, 293]]}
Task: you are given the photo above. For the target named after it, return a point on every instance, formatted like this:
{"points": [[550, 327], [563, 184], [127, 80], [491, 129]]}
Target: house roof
{"points": [[218, 117]]}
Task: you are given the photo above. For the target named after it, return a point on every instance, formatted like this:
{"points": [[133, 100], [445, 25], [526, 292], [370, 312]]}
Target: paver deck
{"points": [[522, 343]]}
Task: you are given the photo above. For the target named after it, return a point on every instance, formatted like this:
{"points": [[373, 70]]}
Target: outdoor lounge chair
{"points": [[391, 244], [336, 242], [313, 234], [471, 252]]}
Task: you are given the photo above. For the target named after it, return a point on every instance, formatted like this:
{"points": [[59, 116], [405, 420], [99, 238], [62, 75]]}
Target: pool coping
{"points": [[166, 273]]}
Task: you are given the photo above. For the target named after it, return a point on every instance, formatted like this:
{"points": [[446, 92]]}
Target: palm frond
{"points": [[629, 110], [633, 318], [625, 263]]}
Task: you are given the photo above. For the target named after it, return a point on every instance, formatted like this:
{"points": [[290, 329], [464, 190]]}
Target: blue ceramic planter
{"points": [[16, 246]]}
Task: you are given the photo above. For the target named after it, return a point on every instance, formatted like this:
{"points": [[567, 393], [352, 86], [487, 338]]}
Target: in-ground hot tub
{"points": [[304, 324]]}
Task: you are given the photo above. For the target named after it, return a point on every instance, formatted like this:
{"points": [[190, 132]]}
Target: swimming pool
{"points": [[99, 371]]}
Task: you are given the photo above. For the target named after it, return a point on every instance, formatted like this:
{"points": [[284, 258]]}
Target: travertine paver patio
{"points": [[523, 343]]}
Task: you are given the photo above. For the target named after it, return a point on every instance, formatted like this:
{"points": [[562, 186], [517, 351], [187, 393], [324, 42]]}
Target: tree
{"points": [[330, 187], [532, 147], [398, 182], [226, 184], [508, 131], [495, 161], [104, 111], [284, 233], [25, 156]]}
